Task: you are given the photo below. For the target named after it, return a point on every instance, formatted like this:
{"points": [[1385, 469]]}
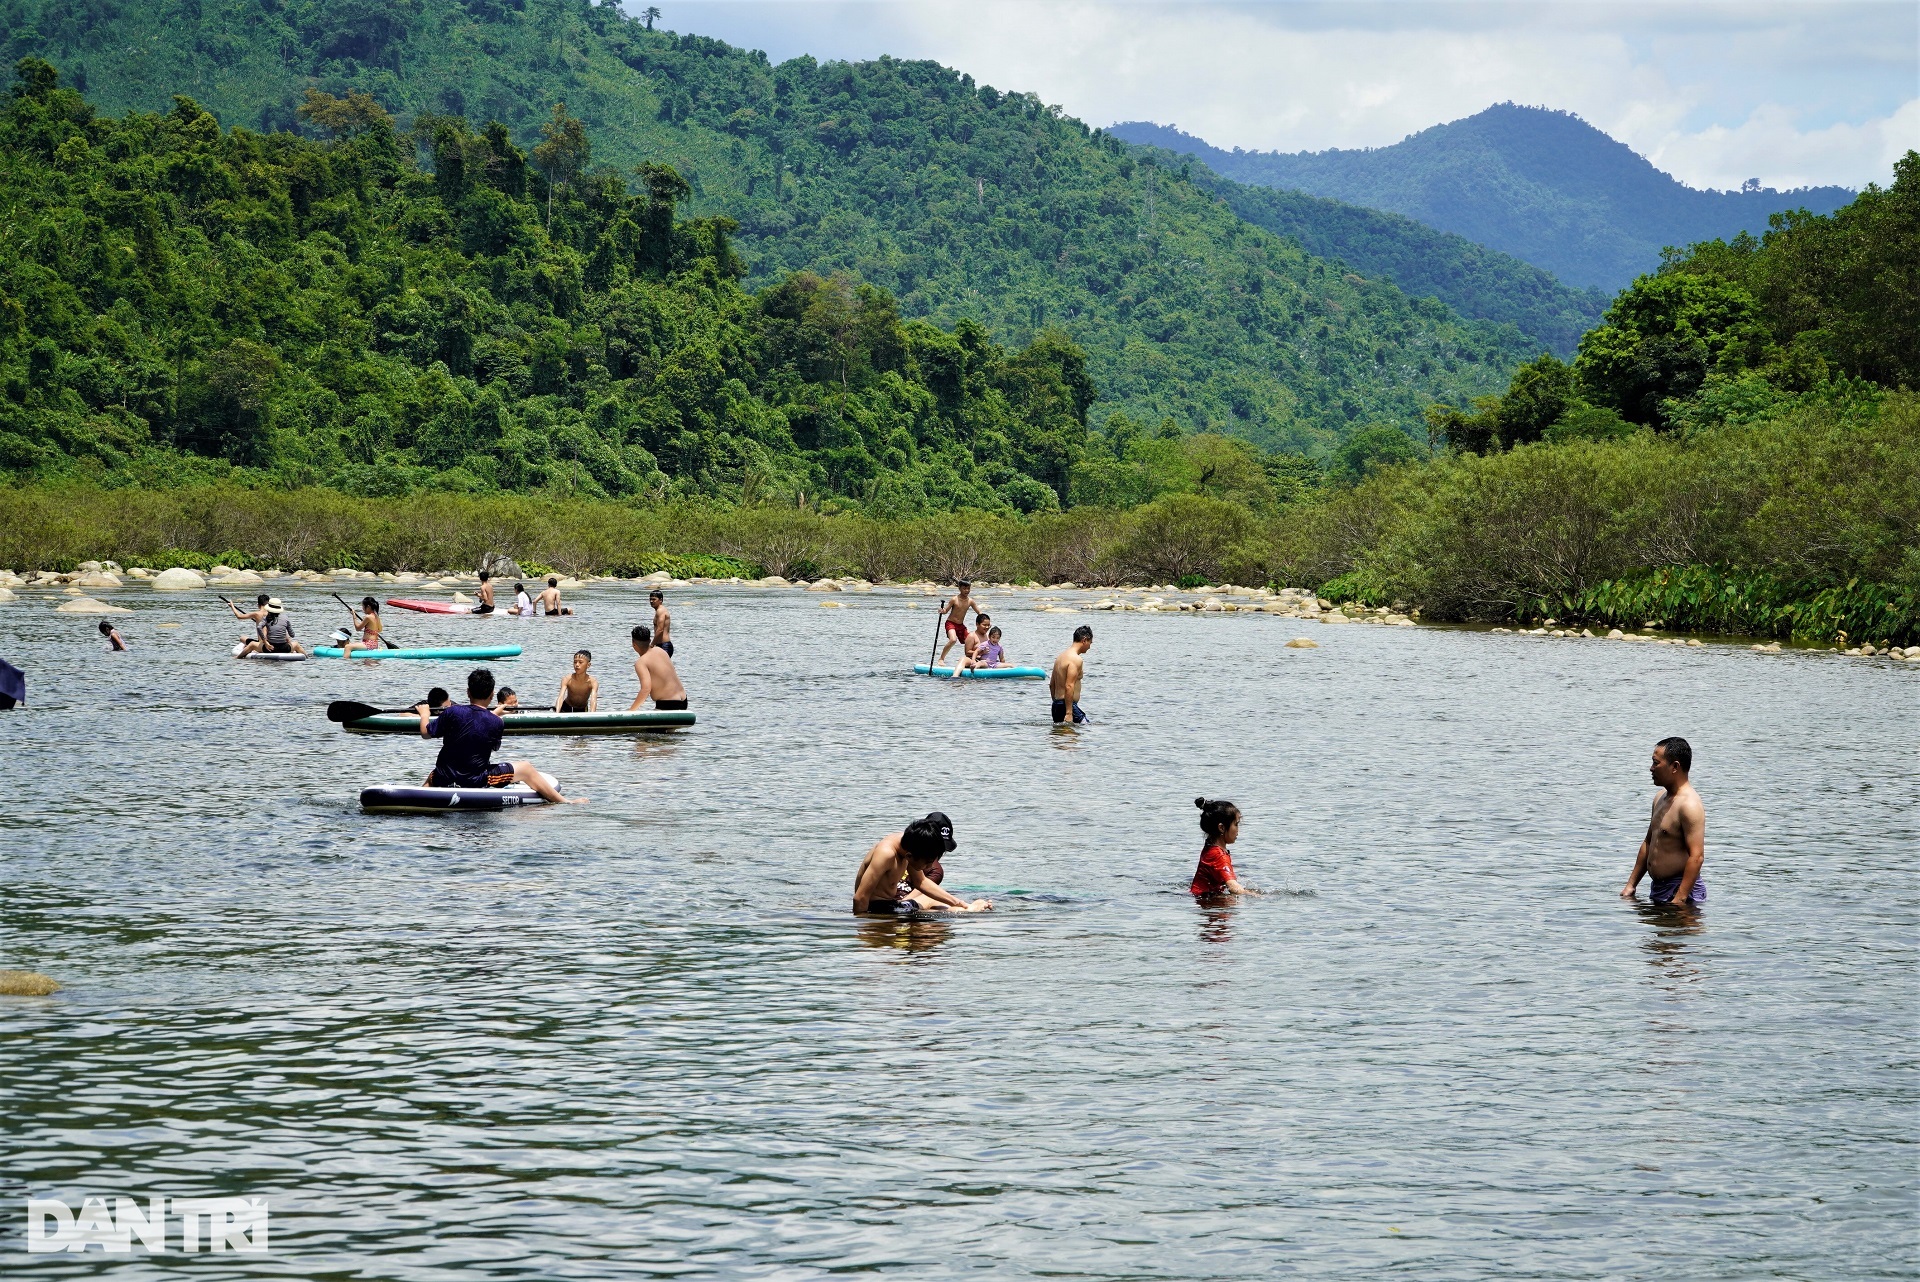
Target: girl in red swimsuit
{"points": [[1220, 821]]}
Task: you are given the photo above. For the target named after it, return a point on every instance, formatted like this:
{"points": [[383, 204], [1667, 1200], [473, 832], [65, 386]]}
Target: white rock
{"points": [[220, 570], [461, 596], [1303, 643], [1695, 643], [825, 585], [771, 581], [140, 572], [74, 591], [88, 567], [1503, 629], [833, 605], [1616, 635], [178, 579], [238, 579], [6, 594], [98, 579], [1335, 617], [87, 605]]}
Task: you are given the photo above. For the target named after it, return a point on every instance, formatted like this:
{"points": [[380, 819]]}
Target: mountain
{"points": [[1475, 281], [962, 201], [1543, 186]]}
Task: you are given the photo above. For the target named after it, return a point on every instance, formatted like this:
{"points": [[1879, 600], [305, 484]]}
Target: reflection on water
{"points": [[645, 1037]]}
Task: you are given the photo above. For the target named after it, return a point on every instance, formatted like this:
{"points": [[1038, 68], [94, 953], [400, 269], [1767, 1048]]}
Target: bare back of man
{"points": [[655, 671], [1673, 852]]}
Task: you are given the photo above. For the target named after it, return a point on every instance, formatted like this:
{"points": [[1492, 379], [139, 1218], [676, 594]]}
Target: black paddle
{"points": [[939, 626], [345, 710], [383, 634]]}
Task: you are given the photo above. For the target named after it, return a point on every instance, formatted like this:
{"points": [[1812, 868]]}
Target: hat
{"points": [[932, 836], [274, 606]]}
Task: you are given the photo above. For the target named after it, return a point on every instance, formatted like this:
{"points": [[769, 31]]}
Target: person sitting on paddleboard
{"points": [[469, 735], [988, 653], [956, 622], [658, 679], [114, 640], [255, 616], [1068, 668], [436, 700], [522, 602], [580, 689], [486, 593], [971, 646], [367, 619], [662, 621], [894, 875], [550, 599], [1220, 821], [276, 632]]}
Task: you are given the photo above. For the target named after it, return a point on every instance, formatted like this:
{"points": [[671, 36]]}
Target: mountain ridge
{"points": [[1541, 185]]}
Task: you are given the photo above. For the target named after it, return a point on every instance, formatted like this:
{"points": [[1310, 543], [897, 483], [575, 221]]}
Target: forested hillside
{"points": [[1477, 282], [962, 201], [1541, 185]]}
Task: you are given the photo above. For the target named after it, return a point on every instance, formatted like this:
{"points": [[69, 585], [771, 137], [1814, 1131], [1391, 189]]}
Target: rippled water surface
{"points": [[644, 1037]]}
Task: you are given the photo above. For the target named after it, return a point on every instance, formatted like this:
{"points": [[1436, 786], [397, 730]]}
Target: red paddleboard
{"points": [[431, 607]]}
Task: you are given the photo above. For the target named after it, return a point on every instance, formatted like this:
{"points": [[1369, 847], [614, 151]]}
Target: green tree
{"points": [[1661, 339]]}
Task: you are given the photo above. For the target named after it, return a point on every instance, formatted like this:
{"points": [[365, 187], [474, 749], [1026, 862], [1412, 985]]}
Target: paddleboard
{"points": [[430, 607], [239, 646], [983, 674], [404, 799], [438, 652], [537, 722]]}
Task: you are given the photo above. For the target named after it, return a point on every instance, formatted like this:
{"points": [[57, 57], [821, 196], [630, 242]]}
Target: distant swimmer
{"points": [[367, 619], [658, 680], [579, 689], [469, 735], [1220, 821], [114, 640], [550, 599], [955, 625], [275, 634], [486, 593], [1068, 668], [894, 876], [1675, 846], [662, 621]]}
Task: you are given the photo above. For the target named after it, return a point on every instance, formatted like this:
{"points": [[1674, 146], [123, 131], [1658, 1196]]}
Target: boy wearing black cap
{"points": [[893, 877]]}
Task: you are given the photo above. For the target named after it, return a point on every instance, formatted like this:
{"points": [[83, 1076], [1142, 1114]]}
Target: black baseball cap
{"points": [[932, 836]]}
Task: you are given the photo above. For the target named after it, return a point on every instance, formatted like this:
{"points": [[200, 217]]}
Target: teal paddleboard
{"points": [[436, 652], [982, 674]]}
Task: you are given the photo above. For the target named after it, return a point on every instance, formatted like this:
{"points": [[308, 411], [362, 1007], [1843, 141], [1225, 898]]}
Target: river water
{"points": [[644, 1037]]}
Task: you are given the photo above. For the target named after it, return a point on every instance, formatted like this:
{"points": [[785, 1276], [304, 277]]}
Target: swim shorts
{"points": [[668, 647], [483, 609], [1662, 889], [1060, 712], [498, 775], [285, 647], [889, 907], [958, 631], [670, 705]]}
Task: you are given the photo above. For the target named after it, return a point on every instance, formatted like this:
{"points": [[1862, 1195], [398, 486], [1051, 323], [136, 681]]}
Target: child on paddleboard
{"points": [[1220, 821], [507, 702], [580, 690]]}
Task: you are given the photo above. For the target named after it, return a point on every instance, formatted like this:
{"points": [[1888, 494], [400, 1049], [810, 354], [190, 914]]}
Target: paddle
{"points": [[344, 710], [939, 626], [383, 635]]}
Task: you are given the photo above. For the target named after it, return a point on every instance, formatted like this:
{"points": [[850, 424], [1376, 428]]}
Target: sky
{"points": [[1812, 93]]}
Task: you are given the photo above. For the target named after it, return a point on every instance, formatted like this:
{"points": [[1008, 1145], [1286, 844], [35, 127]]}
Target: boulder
{"points": [[833, 605], [1335, 617], [238, 579], [659, 576], [461, 596], [1615, 634], [98, 579], [140, 572], [1303, 643], [87, 605], [89, 567], [825, 585], [221, 571], [1695, 643], [771, 581], [178, 579], [6, 594]]}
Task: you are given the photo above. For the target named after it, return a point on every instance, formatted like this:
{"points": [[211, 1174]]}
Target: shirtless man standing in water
{"points": [[658, 680], [1675, 846], [1068, 667], [662, 621]]}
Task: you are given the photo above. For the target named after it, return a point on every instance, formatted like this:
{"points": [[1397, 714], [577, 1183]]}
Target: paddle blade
{"points": [[345, 710]]}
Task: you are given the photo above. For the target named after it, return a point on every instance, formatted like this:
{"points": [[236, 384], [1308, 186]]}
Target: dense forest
{"points": [[1543, 186], [963, 202]]}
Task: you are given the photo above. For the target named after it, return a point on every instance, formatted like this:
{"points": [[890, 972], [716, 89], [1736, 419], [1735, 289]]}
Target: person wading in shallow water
{"points": [[1675, 847], [894, 875], [658, 679], [662, 621], [1068, 667]]}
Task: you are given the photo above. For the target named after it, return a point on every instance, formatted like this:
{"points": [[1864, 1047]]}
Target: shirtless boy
{"points": [[893, 876], [1068, 668], [550, 599], [662, 622], [976, 641], [580, 689], [956, 622], [1675, 846], [658, 680], [486, 593]]}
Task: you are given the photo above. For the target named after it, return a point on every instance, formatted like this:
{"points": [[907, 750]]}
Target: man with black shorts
{"points": [[469, 735], [662, 622], [1068, 667], [486, 593], [896, 874]]}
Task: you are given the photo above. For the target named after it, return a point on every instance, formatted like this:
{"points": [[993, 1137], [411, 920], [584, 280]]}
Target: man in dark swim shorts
{"points": [[469, 735], [1068, 668], [894, 875], [1674, 849]]}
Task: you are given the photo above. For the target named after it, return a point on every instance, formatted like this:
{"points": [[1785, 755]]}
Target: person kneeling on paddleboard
{"points": [[469, 735], [894, 877]]}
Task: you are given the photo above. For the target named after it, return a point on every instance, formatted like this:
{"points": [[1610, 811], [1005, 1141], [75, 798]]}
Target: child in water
{"points": [[1220, 821], [509, 702], [112, 634]]}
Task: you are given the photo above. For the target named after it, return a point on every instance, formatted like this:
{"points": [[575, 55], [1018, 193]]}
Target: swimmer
{"points": [[550, 599], [580, 689], [114, 640], [662, 621], [469, 735], [1220, 821], [894, 874], [658, 679], [1675, 847], [1068, 668], [508, 702], [955, 625]]}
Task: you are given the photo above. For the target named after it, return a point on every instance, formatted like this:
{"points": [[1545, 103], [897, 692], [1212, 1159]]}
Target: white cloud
{"points": [[1713, 93]]}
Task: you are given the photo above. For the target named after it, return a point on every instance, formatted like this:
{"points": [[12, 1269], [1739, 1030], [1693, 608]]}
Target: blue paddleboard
{"points": [[439, 652], [982, 674]]}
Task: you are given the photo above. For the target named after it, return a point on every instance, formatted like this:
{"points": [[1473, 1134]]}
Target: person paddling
{"points": [[255, 616], [367, 619], [658, 679], [276, 632], [1068, 667], [470, 735], [955, 625], [1674, 850], [893, 877], [580, 689]]}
